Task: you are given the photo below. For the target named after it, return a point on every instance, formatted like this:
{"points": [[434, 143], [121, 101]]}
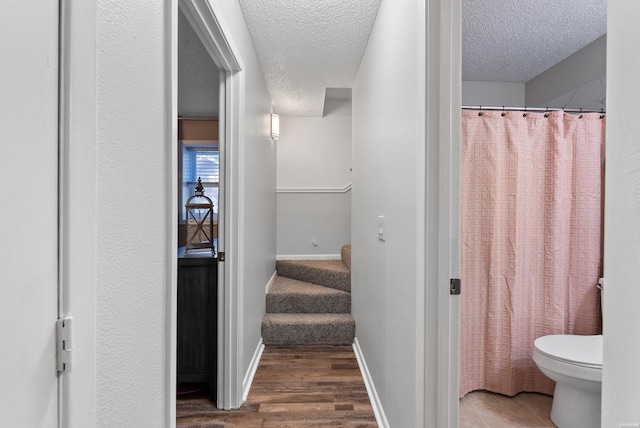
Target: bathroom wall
{"points": [[579, 75], [492, 94], [590, 96]]}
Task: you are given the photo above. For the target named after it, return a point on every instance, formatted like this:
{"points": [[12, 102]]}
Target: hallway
{"points": [[302, 386]]}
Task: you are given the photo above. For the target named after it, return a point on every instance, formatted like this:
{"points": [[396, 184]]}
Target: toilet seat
{"points": [[585, 351], [579, 357]]}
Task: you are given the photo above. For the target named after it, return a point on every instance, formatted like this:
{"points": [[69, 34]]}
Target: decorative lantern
{"points": [[199, 222]]}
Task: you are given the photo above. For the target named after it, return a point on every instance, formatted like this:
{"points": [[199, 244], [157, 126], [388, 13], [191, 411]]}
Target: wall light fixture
{"points": [[275, 127]]}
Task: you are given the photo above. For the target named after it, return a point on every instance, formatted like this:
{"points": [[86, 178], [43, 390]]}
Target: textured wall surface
{"points": [[131, 244], [621, 371]]}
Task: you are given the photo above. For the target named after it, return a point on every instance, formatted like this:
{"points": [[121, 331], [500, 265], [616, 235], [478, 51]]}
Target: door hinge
{"points": [[221, 256], [64, 354], [455, 286]]}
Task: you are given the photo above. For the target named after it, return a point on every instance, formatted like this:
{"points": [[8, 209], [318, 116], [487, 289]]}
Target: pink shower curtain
{"points": [[531, 233]]}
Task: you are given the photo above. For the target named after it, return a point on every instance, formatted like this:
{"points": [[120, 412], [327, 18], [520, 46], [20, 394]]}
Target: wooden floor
{"points": [[302, 386]]}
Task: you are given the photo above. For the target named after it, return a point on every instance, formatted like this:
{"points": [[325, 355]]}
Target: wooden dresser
{"points": [[197, 320]]}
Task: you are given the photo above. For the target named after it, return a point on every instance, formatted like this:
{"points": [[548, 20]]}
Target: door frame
{"points": [[442, 186], [206, 19], [77, 225]]}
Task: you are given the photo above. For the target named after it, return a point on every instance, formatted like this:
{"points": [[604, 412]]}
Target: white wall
{"points": [[492, 94], [584, 66], [385, 174], [590, 96], [313, 180], [313, 224], [621, 370], [131, 155]]}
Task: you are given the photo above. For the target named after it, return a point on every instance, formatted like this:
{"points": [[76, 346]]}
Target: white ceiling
{"points": [[305, 47]]}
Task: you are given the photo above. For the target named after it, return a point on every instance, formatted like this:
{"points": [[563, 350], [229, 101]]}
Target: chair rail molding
{"points": [[344, 189]]}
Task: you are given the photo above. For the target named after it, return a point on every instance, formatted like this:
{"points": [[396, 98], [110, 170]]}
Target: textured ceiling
{"points": [[514, 41], [307, 46]]}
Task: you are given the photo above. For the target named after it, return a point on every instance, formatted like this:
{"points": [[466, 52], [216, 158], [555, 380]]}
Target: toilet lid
{"points": [[578, 350]]}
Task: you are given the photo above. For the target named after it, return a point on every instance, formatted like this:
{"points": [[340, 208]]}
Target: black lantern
{"points": [[199, 222]]}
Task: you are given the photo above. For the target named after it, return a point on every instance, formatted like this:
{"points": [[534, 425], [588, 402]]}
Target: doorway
{"points": [[209, 29], [542, 88]]}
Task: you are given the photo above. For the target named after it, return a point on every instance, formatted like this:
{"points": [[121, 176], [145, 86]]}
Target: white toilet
{"points": [[575, 364]]}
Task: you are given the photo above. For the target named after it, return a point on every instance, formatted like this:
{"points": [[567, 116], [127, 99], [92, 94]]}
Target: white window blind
{"points": [[202, 162]]}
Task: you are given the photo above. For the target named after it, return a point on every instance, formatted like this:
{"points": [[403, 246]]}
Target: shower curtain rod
{"points": [[533, 109]]}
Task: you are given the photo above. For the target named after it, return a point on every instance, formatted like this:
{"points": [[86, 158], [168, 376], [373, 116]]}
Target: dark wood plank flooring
{"points": [[301, 386]]}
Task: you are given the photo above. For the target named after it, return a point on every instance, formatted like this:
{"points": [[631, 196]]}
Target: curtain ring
{"points": [[504, 113], [580, 115], [601, 113], [547, 113]]}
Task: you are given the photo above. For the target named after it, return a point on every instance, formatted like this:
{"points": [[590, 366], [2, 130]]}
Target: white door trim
{"points": [[442, 211], [206, 19], [77, 206]]}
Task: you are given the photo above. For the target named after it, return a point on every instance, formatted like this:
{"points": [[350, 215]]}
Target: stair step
{"points": [[345, 254], [330, 273], [288, 295], [308, 329]]}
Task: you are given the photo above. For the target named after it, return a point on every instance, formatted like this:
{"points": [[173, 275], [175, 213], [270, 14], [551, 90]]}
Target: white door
{"points": [[29, 213]]}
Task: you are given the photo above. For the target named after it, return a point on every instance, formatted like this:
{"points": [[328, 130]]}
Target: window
{"points": [[203, 162]]}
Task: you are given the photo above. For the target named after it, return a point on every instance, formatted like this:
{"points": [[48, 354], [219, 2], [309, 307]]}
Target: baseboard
{"points": [[378, 411], [309, 257], [271, 281], [251, 372]]}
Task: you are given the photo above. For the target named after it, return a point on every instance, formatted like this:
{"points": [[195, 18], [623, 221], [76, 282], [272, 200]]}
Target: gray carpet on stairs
{"points": [[330, 273], [288, 295], [309, 303], [308, 329]]}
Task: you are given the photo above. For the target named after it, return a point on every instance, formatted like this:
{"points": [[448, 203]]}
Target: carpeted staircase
{"points": [[309, 303]]}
